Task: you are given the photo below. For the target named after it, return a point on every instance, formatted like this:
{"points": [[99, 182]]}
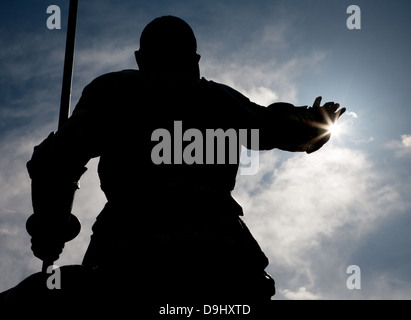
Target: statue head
{"points": [[168, 48]]}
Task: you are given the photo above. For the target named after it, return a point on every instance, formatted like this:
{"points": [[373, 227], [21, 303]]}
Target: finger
{"points": [[328, 105], [337, 106], [332, 108], [317, 102], [340, 113], [337, 115]]}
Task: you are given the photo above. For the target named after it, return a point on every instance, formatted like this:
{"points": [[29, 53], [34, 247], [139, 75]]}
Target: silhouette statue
{"points": [[170, 231]]}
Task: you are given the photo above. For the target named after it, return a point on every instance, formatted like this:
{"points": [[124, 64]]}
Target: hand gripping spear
{"points": [[73, 224]]}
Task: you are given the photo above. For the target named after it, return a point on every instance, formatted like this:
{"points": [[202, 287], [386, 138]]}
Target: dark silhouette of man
{"points": [[169, 231]]}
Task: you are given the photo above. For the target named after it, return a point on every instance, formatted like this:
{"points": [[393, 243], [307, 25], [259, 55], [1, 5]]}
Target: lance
{"points": [[68, 64], [74, 224]]}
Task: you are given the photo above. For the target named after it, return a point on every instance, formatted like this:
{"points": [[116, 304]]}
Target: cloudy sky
{"points": [[314, 215]]}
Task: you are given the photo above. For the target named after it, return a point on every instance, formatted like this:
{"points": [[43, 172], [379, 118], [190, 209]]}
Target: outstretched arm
{"points": [[283, 125], [303, 129]]}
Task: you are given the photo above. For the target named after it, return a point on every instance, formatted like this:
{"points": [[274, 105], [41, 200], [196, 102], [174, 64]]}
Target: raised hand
{"points": [[325, 115]]}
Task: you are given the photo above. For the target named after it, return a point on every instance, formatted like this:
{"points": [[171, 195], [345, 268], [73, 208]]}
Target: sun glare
{"points": [[334, 129]]}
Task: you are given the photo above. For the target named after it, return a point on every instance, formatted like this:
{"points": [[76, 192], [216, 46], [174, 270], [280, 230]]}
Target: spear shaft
{"points": [[65, 100], [68, 64]]}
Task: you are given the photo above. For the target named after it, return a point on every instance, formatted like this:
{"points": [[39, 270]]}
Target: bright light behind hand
{"points": [[334, 129]]}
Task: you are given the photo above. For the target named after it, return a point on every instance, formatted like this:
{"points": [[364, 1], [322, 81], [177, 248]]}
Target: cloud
{"points": [[406, 140], [300, 294], [402, 147], [264, 82], [17, 261], [313, 215], [260, 62], [310, 212], [15, 207]]}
